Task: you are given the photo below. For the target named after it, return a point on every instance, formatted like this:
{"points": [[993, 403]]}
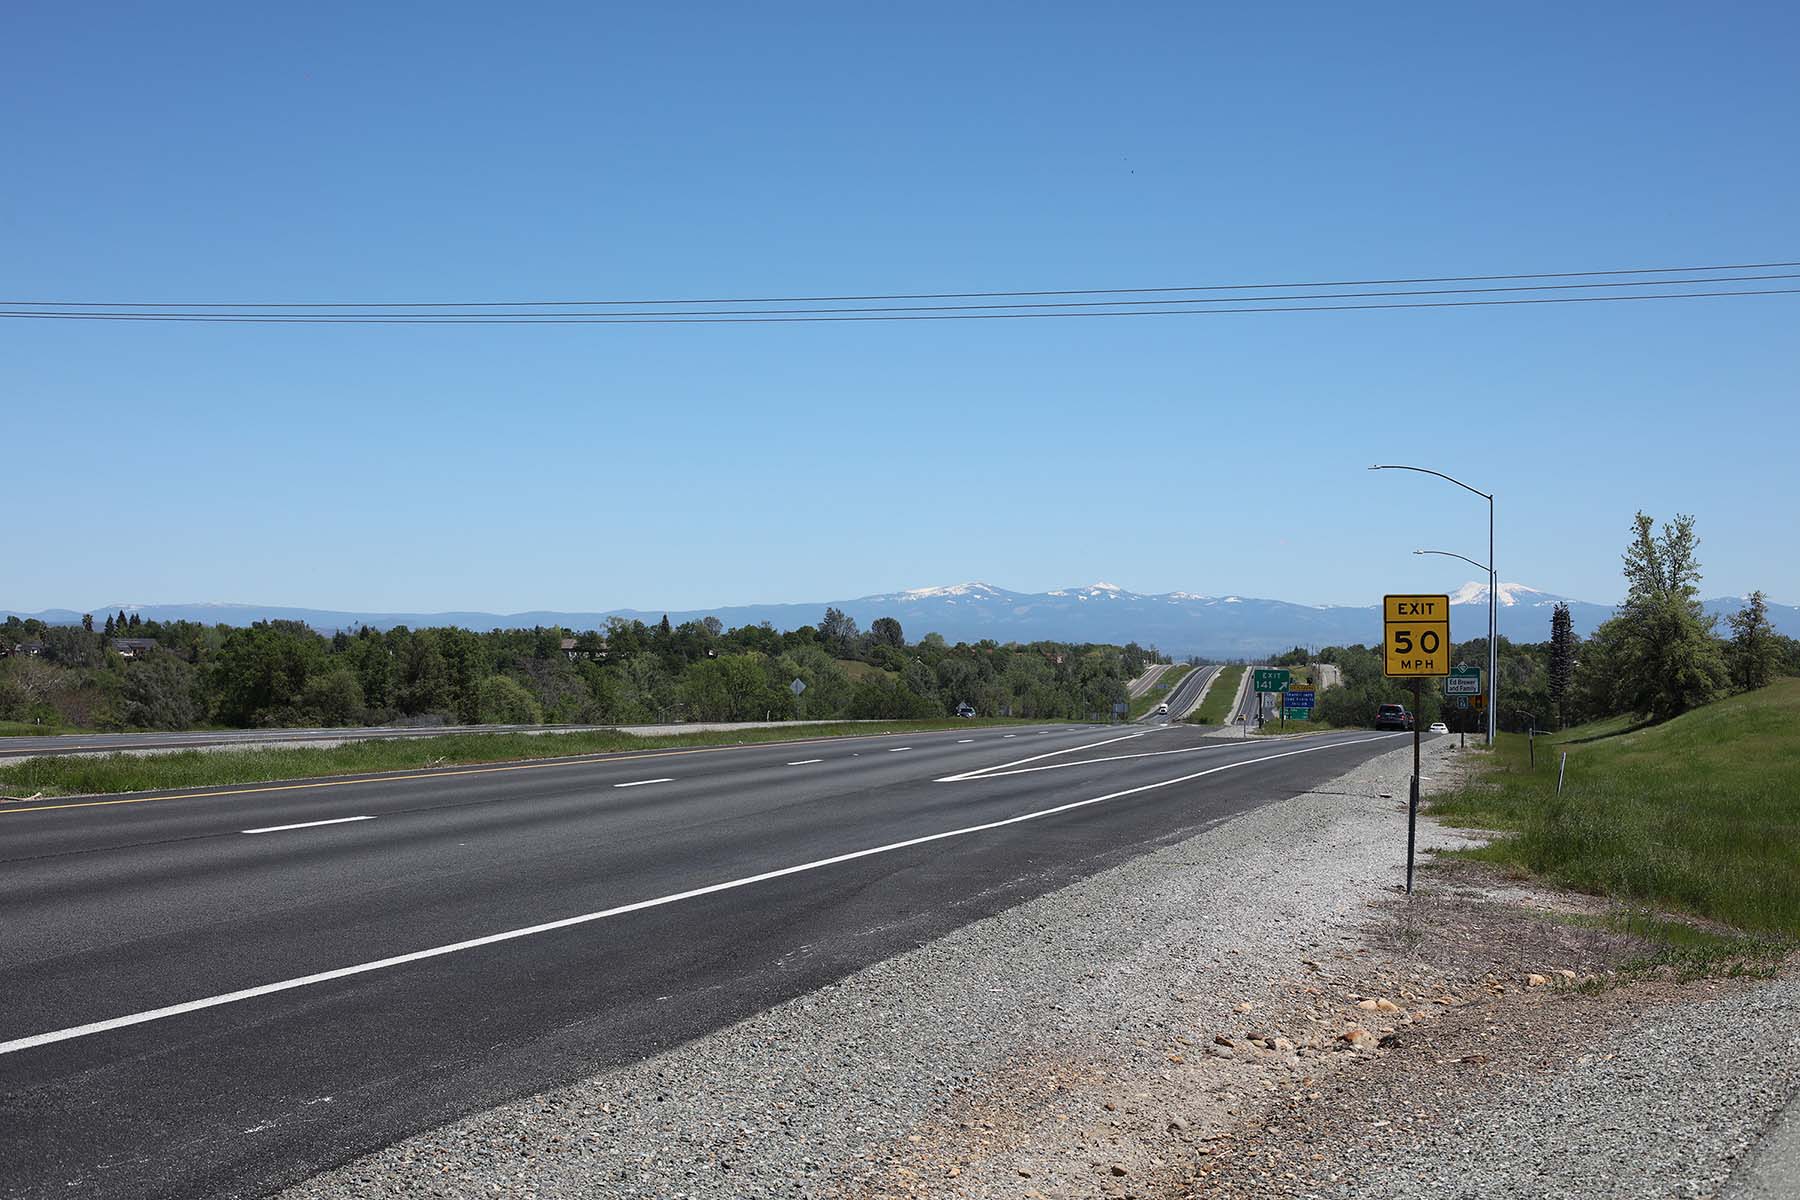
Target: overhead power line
{"points": [[472, 317], [1137, 291], [776, 316]]}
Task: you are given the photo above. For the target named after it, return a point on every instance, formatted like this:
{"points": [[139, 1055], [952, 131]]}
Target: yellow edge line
{"points": [[576, 761]]}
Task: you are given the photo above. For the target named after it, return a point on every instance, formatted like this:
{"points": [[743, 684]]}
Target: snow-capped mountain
{"points": [[1226, 626]]}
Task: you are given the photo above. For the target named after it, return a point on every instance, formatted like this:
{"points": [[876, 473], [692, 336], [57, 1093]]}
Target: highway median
{"points": [[1219, 697], [109, 774]]}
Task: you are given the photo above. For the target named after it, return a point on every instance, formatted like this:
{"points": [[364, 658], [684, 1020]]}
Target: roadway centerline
{"points": [[305, 825], [33, 1041]]}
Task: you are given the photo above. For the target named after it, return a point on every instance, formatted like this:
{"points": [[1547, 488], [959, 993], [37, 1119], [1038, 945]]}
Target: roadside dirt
{"points": [[1427, 1005]]}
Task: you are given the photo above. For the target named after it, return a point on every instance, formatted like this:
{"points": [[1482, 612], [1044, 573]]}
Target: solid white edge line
{"points": [[288, 985], [305, 825], [805, 762], [642, 782]]}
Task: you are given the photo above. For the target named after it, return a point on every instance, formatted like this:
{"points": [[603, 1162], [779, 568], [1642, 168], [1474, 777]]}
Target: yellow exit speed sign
{"points": [[1416, 635]]}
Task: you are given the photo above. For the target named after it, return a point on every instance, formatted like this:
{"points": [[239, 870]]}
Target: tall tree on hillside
{"points": [[87, 622], [136, 621], [1562, 660], [838, 632], [109, 626], [887, 631], [1754, 650], [1671, 661]]}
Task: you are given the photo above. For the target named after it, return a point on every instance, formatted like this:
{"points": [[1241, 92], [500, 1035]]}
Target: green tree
{"points": [[887, 632], [1753, 654], [838, 632], [160, 692], [1669, 658], [502, 700], [334, 697], [87, 622], [259, 675], [732, 687], [1562, 660]]}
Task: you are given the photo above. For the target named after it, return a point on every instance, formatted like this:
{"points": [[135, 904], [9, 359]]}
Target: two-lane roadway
{"points": [[220, 992]]}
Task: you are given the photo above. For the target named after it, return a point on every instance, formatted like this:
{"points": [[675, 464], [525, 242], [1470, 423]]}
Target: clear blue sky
{"points": [[464, 151]]}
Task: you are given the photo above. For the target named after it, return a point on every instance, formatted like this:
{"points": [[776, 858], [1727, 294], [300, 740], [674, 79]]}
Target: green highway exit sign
{"points": [[1463, 681], [1272, 679]]}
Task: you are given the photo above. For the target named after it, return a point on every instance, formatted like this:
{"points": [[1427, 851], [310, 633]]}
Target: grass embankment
{"points": [[1159, 691], [27, 729], [1697, 815], [106, 773], [1217, 706]]}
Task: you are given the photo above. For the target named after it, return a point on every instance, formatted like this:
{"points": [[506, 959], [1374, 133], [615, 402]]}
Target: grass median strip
{"points": [[1696, 815], [1217, 705], [109, 774]]}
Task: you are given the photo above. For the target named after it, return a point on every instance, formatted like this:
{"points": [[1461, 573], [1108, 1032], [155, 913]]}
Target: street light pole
{"points": [[1493, 590], [1490, 571]]}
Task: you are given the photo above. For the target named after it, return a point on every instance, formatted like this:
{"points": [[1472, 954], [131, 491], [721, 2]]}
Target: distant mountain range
{"points": [[1178, 623]]}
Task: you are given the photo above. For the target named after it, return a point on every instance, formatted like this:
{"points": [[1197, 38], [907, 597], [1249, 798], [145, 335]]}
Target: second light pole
{"points": [[1493, 708]]}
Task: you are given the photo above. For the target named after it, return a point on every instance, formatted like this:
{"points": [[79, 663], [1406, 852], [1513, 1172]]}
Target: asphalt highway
{"points": [[221, 992], [1187, 692]]}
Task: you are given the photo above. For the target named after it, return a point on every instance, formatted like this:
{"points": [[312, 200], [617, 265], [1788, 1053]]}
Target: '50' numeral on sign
{"points": [[1429, 642]]}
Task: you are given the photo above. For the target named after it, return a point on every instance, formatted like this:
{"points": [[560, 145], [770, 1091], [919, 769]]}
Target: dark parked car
{"points": [[1393, 716], [965, 710]]}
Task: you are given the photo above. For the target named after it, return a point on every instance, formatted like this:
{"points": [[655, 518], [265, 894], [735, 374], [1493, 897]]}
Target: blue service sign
{"points": [[1300, 699]]}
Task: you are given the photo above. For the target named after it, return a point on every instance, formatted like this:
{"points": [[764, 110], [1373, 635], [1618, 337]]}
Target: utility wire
{"points": [[1211, 287], [775, 317], [1067, 304]]}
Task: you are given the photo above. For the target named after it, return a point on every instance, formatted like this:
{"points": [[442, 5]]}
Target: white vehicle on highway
{"points": [[1162, 710], [1438, 727]]}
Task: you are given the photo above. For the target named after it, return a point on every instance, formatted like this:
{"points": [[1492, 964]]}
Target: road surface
{"points": [[1144, 682], [217, 993], [1182, 700]]}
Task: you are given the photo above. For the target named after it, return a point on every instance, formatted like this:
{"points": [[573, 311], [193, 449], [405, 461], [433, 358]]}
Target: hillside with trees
{"points": [[136, 674]]}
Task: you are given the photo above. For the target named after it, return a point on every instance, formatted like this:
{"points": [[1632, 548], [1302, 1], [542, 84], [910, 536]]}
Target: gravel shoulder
{"points": [[1253, 1011]]}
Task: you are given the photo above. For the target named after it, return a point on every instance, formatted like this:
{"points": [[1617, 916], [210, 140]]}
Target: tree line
{"points": [[283, 673], [1659, 656]]}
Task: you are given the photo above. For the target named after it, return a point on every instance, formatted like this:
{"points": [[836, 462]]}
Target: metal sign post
{"points": [[1415, 644], [1412, 802]]}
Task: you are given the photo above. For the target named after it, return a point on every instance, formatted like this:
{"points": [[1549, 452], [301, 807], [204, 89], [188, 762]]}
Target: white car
{"points": [[1162, 710], [1438, 727]]}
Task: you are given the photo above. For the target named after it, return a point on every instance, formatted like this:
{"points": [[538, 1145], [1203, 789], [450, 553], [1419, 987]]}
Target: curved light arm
{"points": [[1449, 554], [1428, 471]]}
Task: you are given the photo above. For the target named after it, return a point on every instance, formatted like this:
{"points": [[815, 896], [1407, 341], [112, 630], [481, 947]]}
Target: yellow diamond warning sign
{"points": [[1416, 635]]}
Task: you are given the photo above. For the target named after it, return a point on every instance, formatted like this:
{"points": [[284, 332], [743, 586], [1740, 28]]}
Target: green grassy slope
{"points": [[1700, 814]]}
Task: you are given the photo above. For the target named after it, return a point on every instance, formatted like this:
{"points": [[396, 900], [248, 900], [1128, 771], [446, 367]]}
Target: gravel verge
{"points": [[1024, 1016]]}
